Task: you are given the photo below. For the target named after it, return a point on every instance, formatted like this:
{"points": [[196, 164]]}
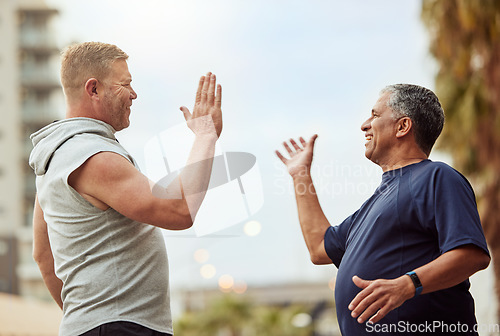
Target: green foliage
{"points": [[233, 316]]}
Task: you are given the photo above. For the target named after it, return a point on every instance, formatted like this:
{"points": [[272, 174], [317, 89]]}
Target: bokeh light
{"points": [[208, 271], [240, 287], [301, 320], [201, 255], [252, 228], [226, 283]]}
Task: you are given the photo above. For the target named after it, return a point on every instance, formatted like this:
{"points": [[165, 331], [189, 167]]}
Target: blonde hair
{"points": [[82, 61]]}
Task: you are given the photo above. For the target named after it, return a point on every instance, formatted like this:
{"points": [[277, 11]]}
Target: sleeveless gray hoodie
{"points": [[112, 268]]}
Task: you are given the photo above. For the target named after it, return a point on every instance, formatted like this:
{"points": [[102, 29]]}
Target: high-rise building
{"points": [[30, 98]]}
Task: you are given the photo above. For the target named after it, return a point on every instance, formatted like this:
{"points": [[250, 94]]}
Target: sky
{"points": [[287, 68]]}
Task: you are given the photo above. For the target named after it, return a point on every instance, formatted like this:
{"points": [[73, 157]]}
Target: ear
{"points": [[91, 88], [403, 127]]}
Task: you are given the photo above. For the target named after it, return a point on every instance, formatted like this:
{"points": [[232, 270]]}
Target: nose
{"points": [[366, 125], [133, 94]]}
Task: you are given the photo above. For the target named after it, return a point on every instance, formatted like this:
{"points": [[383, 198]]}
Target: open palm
{"points": [[300, 156], [207, 113]]}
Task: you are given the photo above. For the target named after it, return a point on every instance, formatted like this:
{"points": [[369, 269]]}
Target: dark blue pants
{"points": [[123, 328]]}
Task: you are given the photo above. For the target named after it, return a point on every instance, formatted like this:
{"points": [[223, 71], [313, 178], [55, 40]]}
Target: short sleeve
{"points": [[449, 205], [335, 240]]}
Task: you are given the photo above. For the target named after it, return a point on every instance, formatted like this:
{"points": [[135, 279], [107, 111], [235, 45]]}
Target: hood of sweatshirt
{"points": [[48, 139]]}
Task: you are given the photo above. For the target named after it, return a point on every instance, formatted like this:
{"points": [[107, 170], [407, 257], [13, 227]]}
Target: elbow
{"points": [[185, 222], [166, 214], [185, 218], [39, 256], [315, 260], [483, 261], [44, 261], [180, 220], [318, 253], [319, 259]]}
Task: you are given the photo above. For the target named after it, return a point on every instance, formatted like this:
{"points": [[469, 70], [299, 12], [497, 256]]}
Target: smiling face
{"points": [[118, 95], [380, 132]]}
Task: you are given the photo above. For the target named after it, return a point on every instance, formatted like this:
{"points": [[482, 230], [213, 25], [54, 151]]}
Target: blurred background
{"points": [[288, 69]]}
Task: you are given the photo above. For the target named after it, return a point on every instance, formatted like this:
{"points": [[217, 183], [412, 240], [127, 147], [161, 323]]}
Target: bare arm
{"points": [[43, 254], [109, 180], [313, 221], [379, 297]]}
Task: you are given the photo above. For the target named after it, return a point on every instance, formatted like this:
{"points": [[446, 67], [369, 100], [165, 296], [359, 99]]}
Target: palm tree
{"points": [[465, 41]]}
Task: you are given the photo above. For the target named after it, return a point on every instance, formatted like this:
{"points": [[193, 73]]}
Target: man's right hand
{"points": [[206, 118], [301, 158]]}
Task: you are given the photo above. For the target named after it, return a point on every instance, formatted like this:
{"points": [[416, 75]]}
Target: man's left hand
{"points": [[379, 297]]}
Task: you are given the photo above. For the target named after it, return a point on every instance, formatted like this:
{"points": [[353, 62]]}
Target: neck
{"points": [[404, 154], [80, 108], [401, 163]]}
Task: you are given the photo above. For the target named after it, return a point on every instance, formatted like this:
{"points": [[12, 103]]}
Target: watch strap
{"points": [[416, 282]]}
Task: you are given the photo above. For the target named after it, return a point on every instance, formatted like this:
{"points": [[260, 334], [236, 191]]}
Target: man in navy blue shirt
{"points": [[405, 256]]}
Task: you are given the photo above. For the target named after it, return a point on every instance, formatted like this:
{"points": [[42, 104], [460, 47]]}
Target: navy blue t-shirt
{"points": [[416, 214]]}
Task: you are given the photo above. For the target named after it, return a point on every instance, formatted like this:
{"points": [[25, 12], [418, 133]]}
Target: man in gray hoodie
{"points": [[97, 237]]}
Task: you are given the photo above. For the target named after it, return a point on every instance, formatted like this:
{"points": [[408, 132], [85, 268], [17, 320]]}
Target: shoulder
{"points": [[100, 175], [85, 141], [106, 165], [436, 170], [83, 146], [438, 175]]}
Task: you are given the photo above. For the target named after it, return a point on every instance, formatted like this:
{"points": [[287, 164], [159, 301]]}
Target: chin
{"points": [[126, 124]]}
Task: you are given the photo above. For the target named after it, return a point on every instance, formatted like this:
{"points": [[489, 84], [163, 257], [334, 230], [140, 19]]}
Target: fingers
{"points": [[380, 314], [370, 313], [204, 89], [198, 92], [211, 90], [361, 295], [294, 144], [362, 300], [218, 98], [287, 148], [282, 158], [360, 282], [296, 147], [185, 111], [365, 309], [377, 299], [312, 141]]}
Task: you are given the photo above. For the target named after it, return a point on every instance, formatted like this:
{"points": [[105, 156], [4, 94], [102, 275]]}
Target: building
{"points": [[30, 98]]}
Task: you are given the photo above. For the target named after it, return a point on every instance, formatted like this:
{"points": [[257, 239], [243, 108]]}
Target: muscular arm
{"points": [[43, 254], [379, 297], [312, 220], [109, 180]]}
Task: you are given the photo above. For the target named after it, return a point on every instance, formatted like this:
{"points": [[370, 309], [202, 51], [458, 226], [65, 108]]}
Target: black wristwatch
{"points": [[416, 281]]}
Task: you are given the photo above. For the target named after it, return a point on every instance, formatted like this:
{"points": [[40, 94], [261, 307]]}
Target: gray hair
{"points": [[422, 106]]}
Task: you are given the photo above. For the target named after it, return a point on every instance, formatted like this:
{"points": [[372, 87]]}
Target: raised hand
{"points": [[300, 156], [207, 114]]}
